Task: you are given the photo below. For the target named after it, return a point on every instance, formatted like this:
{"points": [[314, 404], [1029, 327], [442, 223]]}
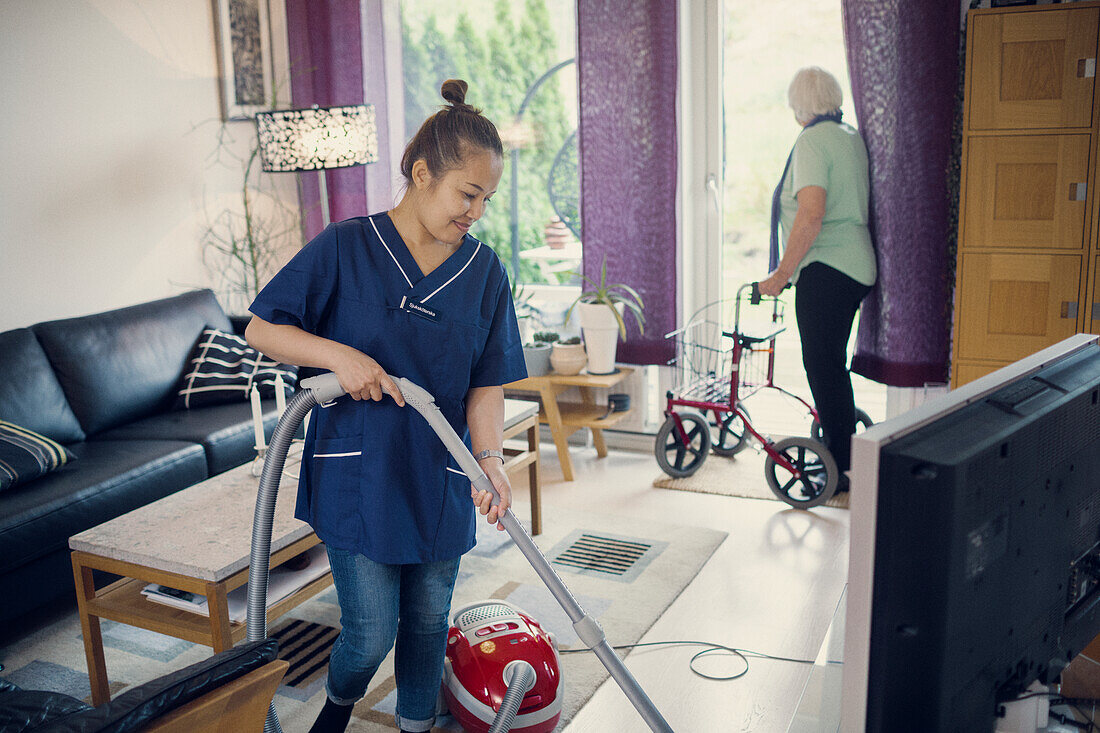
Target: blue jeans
{"points": [[378, 605]]}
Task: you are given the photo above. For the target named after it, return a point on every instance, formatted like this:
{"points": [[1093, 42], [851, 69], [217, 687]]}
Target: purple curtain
{"points": [[903, 63], [627, 68], [326, 69]]}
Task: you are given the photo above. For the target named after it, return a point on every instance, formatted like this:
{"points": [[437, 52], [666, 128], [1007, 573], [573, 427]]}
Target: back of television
{"points": [[990, 541]]}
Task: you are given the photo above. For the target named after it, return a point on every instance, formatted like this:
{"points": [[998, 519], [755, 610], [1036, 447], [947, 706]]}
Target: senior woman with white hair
{"points": [[821, 205]]}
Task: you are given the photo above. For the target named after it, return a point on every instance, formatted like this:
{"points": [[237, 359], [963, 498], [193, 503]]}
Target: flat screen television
{"points": [[974, 562]]}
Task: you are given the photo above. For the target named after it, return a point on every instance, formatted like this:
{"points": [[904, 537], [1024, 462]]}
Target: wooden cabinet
{"points": [[1033, 191], [1032, 69], [1028, 254], [1016, 304]]}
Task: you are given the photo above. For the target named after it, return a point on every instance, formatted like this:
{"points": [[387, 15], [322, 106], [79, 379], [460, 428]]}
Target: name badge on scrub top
{"points": [[419, 309]]}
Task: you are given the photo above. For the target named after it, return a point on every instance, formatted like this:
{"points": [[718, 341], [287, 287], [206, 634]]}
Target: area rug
{"points": [[741, 475], [626, 600]]}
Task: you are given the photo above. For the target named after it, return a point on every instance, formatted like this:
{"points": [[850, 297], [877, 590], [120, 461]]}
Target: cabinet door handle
{"points": [[1086, 68], [1077, 191], [1069, 309], [1096, 315]]}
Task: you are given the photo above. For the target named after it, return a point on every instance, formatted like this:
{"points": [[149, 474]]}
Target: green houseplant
{"points": [[601, 311]]}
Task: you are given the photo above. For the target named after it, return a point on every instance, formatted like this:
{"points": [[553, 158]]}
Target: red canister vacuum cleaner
{"points": [[501, 670], [512, 653]]}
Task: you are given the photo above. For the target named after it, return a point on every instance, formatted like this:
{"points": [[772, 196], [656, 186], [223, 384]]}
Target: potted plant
{"points": [[601, 315], [536, 353], [567, 356]]}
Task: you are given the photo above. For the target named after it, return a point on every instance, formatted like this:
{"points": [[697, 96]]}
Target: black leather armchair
{"points": [[229, 691]]}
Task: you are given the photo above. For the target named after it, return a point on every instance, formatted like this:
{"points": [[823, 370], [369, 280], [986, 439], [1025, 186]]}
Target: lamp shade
{"points": [[317, 138]]}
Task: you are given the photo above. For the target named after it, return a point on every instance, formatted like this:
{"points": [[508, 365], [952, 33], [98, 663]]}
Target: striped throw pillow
{"points": [[26, 455], [223, 368]]}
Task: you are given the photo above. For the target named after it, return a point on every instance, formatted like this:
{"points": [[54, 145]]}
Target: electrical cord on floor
{"points": [[712, 647]]}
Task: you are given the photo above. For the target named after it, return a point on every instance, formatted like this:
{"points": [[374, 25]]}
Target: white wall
{"points": [[108, 135]]}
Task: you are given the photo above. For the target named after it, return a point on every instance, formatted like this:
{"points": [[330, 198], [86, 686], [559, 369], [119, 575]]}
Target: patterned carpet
{"points": [[625, 573]]}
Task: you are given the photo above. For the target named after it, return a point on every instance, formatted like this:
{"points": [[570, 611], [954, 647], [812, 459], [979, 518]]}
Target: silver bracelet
{"points": [[489, 452]]}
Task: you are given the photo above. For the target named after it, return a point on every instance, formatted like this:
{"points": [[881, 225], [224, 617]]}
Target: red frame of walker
{"points": [[740, 344]]}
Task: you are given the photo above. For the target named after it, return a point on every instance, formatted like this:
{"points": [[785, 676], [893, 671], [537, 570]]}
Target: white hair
{"points": [[813, 91]]}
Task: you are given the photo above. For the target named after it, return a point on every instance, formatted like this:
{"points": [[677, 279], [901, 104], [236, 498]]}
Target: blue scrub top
{"points": [[375, 478]]}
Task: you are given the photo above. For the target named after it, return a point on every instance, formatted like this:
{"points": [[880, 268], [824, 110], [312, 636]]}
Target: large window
{"points": [[519, 61], [763, 45], [754, 50]]}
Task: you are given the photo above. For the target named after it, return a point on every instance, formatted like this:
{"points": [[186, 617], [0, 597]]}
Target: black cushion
{"points": [[224, 368], [30, 394], [108, 479], [28, 710], [136, 708], [25, 455], [123, 365], [224, 431]]}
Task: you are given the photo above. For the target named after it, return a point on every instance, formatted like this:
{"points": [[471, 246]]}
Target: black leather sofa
{"points": [[103, 385]]}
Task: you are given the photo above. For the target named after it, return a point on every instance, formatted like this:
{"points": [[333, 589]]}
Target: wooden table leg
{"points": [[93, 637], [533, 479], [221, 638], [561, 438], [597, 434]]}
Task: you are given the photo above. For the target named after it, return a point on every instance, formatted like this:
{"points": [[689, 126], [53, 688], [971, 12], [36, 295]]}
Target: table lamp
{"points": [[317, 139]]}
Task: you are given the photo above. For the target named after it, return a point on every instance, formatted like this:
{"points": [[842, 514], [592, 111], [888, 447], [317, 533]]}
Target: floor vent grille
{"points": [[602, 554]]}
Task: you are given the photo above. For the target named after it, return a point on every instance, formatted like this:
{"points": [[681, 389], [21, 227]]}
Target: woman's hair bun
{"points": [[454, 91]]}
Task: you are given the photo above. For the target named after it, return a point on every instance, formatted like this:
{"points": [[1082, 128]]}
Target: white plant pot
{"points": [[601, 335], [568, 359]]}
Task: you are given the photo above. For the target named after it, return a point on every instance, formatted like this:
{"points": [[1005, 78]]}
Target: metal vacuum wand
{"points": [[325, 388], [586, 627]]}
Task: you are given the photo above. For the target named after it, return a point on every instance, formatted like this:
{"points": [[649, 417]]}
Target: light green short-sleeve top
{"points": [[832, 155]]}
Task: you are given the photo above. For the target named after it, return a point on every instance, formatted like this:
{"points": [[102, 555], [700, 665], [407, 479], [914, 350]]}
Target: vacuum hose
{"points": [[259, 561], [325, 388], [521, 678]]}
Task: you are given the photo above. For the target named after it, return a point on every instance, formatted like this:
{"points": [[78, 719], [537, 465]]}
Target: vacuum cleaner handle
{"points": [[326, 387]]}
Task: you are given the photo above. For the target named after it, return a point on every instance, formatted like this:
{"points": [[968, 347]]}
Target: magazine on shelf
{"points": [[281, 583]]}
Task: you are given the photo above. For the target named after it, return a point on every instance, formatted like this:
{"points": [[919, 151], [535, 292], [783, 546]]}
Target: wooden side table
{"points": [[566, 418]]}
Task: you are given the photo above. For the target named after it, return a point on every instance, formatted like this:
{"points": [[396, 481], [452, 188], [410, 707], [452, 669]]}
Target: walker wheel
{"points": [[729, 435], [673, 456], [863, 421], [818, 474]]}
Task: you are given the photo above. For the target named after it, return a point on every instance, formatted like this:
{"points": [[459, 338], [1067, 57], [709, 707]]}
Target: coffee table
{"points": [[196, 540], [199, 540]]}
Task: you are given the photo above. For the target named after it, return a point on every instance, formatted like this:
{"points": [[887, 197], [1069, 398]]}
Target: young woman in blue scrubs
{"points": [[404, 293]]}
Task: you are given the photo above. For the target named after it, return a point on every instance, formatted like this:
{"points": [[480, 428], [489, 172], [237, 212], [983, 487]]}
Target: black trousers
{"points": [[825, 303]]}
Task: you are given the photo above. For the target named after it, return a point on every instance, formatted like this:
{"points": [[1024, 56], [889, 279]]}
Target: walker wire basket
{"points": [[712, 357]]}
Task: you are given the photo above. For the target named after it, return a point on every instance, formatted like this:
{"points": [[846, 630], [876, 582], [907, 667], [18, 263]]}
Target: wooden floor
{"points": [[771, 587]]}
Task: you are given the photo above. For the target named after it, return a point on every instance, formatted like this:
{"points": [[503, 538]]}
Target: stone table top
{"points": [[204, 531]]}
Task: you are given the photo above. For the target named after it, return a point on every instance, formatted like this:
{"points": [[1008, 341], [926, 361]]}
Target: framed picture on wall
{"points": [[243, 36]]}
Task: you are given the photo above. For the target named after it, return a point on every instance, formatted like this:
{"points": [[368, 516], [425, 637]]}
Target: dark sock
{"points": [[333, 718]]}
